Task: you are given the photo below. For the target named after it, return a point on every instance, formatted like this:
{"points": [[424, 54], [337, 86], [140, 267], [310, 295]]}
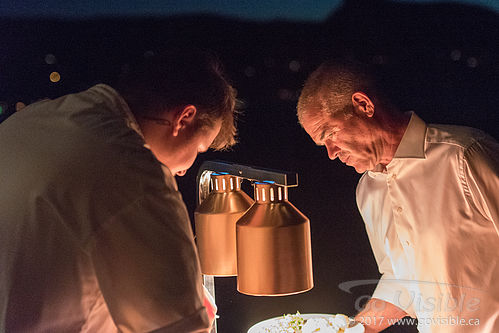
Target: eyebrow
{"points": [[323, 133], [322, 137]]}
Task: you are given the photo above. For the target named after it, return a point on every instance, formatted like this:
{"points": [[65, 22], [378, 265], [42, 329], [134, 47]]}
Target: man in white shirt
{"points": [[94, 235], [429, 197]]}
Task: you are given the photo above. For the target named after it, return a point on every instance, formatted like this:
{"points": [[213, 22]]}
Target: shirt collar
{"points": [[413, 142], [411, 146], [119, 106]]}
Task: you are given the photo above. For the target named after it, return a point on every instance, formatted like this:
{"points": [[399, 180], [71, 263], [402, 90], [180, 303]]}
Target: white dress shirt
{"points": [[432, 217], [94, 235]]}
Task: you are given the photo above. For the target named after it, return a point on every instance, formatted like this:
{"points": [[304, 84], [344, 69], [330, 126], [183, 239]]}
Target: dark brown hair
{"points": [[179, 78]]}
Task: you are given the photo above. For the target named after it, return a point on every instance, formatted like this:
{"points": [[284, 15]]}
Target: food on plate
{"points": [[308, 323]]}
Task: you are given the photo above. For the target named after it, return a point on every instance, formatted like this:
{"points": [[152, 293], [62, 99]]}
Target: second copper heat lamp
{"points": [[265, 241]]}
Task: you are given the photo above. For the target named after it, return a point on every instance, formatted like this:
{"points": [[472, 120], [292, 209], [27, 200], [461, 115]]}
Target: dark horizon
{"points": [[311, 11]]}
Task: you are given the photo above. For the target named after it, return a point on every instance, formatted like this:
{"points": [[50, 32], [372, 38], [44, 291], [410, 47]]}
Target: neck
{"points": [[393, 125]]}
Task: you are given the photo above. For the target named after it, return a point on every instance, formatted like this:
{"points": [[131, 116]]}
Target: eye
{"points": [[331, 135]]}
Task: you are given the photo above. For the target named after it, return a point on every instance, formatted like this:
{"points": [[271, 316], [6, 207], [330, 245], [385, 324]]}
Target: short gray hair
{"points": [[330, 87]]}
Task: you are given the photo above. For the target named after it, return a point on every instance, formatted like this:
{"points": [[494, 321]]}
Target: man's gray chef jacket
{"points": [[94, 236]]}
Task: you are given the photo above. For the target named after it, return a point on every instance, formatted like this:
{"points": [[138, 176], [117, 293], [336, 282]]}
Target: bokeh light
{"points": [[50, 59], [20, 106], [286, 95], [149, 54], [455, 55], [269, 62], [294, 66], [472, 62], [378, 59], [250, 71], [55, 77]]}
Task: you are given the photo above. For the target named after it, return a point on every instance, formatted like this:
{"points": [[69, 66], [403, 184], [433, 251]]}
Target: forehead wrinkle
{"points": [[322, 127], [318, 130], [315, 116]]}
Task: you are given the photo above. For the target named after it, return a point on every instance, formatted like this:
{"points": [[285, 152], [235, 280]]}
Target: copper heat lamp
{"points": [[272, 239]]}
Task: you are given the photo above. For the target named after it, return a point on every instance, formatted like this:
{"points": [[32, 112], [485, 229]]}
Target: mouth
{"points": [[345, 160]]}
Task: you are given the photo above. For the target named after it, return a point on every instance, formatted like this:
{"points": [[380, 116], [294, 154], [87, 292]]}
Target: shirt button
{"points": [[400, 210], [391, 176]]}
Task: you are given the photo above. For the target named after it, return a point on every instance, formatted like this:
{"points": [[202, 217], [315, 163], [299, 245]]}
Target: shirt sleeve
{"points": [[481, 175], [394, 291], [389, 288], [147, 267]]}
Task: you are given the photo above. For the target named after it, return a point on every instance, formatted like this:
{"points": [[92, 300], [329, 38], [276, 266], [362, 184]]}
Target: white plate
{"points": [[268, 323]]}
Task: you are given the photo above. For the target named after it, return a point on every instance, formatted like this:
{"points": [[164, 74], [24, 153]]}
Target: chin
{"points": [[360, 168]]}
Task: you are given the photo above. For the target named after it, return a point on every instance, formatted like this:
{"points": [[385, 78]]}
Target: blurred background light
{"points": [[285, 94], [294, 66], [455, 55], [472, 62], [269, 62], [250, 71], [378, 59], [55, 77], [50, 59], [148, 54], [20, 106]]}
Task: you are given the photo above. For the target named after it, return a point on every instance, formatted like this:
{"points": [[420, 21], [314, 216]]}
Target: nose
{"points": [[332, 151]]}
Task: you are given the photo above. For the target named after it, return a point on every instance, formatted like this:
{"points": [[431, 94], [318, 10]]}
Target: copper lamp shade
{"points": [[274, 256], [215, 221]]}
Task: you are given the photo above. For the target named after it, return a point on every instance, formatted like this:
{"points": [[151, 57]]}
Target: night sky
{"points": [[256, 9]]}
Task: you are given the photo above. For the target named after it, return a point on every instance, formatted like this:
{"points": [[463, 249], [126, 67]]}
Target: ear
{"points": [[183, 117], [363, 104]]}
